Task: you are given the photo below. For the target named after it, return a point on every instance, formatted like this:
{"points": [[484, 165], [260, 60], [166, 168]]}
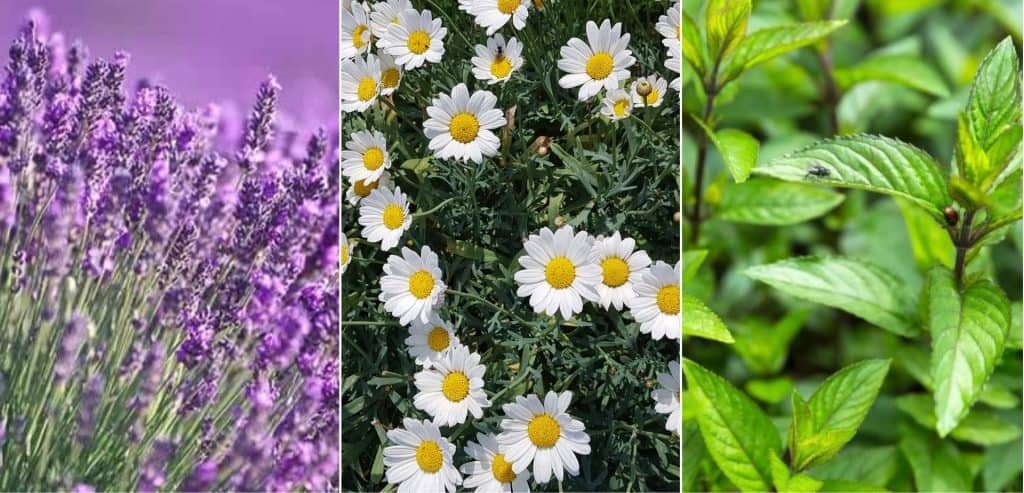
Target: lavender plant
{"points": [[168, 307]]}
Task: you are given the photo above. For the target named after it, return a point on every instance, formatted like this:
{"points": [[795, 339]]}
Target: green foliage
{"points": [[872, 229]]}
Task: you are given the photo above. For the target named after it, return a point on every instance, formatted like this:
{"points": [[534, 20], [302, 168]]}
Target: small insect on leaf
{"points": [[952, 216], [817, 170]]}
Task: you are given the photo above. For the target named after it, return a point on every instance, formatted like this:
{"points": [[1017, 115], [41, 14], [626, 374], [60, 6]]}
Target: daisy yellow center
{"points": [[367, 89], [600, 65], [508, 6], [373, 158], [464, 127], [668, 300], [390, 78], [560, 272], [615, 271], [620, 108], [652, 97], [421, 284], [344, 254], [363, 189], [455, 386], [502, 469], [437, 339], [501, 67], [357, 36], [429, 457], [418, 42], [543, 431], [394, 216]]}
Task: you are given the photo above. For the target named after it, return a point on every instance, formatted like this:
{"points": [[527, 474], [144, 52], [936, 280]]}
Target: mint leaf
{"points": [[968, 334], [693, 47], [726, 24], [980, 427], [848, 284], [737, 434], [738, 149], [692, 260], [775, 203], [765, 44], [994, 101], [936, 464], [700, 321], [906, 70], [869, 162], [837, 409]]}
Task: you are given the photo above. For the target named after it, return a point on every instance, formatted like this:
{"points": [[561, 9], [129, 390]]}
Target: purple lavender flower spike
{"points": [[260, 126], [70, 344], [153, 477]]}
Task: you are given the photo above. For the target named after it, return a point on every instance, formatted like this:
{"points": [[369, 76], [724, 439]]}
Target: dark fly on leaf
{"points": [[817, 170]]}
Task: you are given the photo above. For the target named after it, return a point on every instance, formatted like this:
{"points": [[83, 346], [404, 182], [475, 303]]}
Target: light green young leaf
{"points": [[869, 162], [994, 101], [936, 464], [802, 483], [837, 409], [693, 47], [775, 203], [848, 284], [980, 427], [738, 150], [971, 159], [968, 334], [770, 390], [928, 239], [700, 321], [780, 472], [726, 24], [737, 434], [692, 260], [906, 70], [765, 44]]}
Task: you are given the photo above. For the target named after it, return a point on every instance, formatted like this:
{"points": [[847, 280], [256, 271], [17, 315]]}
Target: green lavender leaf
{"points": [[869, 162], [700, 321], [775, 203], [851, 285], [737, 434], [968, 333]]}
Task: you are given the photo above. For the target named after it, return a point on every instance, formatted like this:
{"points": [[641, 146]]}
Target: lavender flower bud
{"points": [[259, 127], [75, 332], [202, 478], [88, 404], [153, 477]]}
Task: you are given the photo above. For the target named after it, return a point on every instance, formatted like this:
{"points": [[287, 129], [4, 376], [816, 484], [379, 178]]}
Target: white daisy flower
{"points": [[490, 472], [452, 388], [417, 38], [361, 189], [365, 156], [385, 217], [622, 267], [675, 64], [411, 286], [355, 31], [543, 434], [493, 14], [360, 83], [653, 99], [602, 62], [344, 254], [383, 15], [429, 342], [617, 105], [390, 74], [669, 27], [666, 398], [557, 272], [420, 459], [460, 125], [656, 305], [495, 62]]}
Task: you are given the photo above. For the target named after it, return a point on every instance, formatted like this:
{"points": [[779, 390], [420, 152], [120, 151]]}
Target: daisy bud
{"points": [[676, 217], [559, 220], [542, 151], [643, 88]]}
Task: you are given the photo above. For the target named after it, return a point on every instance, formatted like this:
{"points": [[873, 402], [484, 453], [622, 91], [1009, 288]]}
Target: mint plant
{"points": [[830, 245]]}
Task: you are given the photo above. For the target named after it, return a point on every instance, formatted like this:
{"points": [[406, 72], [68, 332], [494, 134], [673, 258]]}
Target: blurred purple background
{"points": [[209, 50]]}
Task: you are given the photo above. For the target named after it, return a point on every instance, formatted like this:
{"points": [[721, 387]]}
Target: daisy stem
{"points": [[487, 302], [421, 214], [365, 322], [402, 117]]}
